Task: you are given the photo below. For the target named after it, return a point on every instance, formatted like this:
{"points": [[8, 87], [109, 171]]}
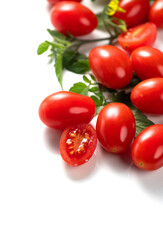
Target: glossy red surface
{"points": [[147, 96], [147, 149], [53, 2], [73, 17], [110, 66], [141, 35], [78, 144], [116, 127], [147, 62], [136, 11], [63, 109], [156, 13]]}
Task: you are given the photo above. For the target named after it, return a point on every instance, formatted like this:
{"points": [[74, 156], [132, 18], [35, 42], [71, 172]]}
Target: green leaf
{"points": [[68, 56], [97, 101], [142, 121], [56, 34], [75, 62], [93, 78], [80, 88], [100, 21], [79, 67], [94, 89], [43, 47], [85, 79], [59, 67]]}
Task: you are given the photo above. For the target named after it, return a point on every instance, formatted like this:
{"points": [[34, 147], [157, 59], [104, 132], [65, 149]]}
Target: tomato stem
{"points": [[85, 41]]}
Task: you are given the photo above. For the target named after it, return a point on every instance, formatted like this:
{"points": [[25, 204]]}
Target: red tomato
{"points": [[156, 13], [136, 11], [63, 109], [110, 66], [78, 144], [147, 62], [147, 149], [74, 18], [116, 127], [141, 35], [147, 96], [52, 2]]}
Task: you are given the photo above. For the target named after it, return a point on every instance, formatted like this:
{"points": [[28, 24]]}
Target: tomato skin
{"points": [[147, 62], [73, 17], [156, 13], [147, 96], [53, 2], [116, 127], [141, 35], [110, 66], [66, 146], [136, 11], [63, 109], [147, 149]]}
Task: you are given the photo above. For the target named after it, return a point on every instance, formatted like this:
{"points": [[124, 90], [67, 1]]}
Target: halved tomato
{"points": [[141, 35], [78, 144]]}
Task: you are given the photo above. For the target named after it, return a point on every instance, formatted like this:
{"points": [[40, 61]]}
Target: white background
{"points": [[42, 198]]}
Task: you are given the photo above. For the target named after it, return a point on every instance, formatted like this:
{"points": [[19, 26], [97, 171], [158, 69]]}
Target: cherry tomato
{"points": [[73, 17], [141, 35], [156, 13], [63, 109], [53, 2], [147, 149], [147, 62], [110, 66], [147, 96], [136, 11], [78, 144], [116, 127]]}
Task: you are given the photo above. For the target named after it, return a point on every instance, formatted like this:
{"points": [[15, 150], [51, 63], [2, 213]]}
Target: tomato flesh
{"points": [[147, 149], [141, 35], [116, 127], [147, 62], [156, 13], [73, 17], [136, 11], [110, 66], [63, 109], [147, 96], [78, 144]]}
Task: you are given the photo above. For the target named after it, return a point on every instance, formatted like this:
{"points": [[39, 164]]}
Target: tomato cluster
{"points": [[112, 68]]}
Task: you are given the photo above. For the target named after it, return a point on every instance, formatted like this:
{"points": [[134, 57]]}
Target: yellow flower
{"points": [[113, 7]]}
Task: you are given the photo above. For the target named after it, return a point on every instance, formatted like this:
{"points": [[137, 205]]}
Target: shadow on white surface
{"points": [[151, 181], [52, 139], [157, 119], [81, 172], [119, 163]]}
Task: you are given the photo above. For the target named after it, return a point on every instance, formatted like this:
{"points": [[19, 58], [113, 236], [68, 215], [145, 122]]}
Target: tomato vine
{"points": [[64, 52]]}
